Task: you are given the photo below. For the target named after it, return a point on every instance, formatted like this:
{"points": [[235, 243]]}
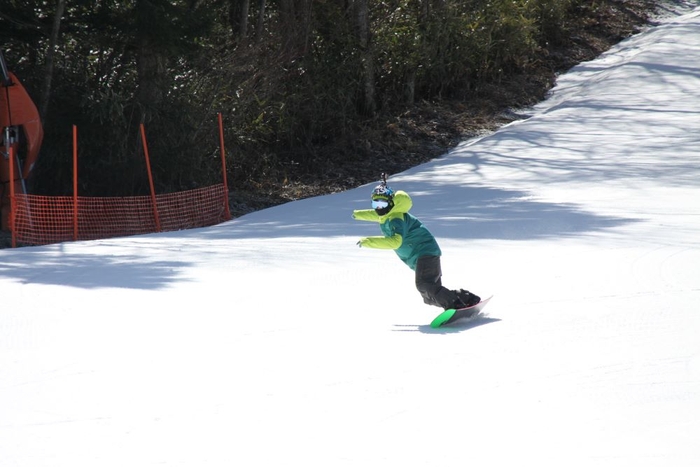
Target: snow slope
{"points": [[272, 340]]}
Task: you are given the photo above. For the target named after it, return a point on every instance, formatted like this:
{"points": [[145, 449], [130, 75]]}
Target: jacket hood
{"points": [[402, 202]]}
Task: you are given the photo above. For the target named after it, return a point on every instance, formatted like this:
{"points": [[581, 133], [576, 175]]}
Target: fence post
{"points": [[11, 220], [150, 178], [223, 166], [75, 183]]}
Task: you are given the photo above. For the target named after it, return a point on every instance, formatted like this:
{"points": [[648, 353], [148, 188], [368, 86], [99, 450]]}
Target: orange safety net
{"points": [[40, 220]]}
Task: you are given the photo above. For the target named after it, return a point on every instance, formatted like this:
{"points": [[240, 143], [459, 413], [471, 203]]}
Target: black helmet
{"points": [[382, 199], [382, 192]]}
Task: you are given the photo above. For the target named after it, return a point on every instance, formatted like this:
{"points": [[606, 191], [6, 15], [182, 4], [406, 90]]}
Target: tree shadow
{"points": [[448, 210], [579, 138], [89, 271]]}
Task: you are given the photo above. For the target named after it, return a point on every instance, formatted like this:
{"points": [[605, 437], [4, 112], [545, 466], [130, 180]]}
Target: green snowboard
{"points": [[452, 315]]}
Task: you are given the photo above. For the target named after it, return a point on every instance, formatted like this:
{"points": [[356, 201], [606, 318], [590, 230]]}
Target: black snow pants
{"points": [[429, 283]]}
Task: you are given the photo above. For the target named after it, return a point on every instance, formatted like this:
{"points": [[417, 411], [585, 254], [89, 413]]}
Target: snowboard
{"points": [[452, 315]]}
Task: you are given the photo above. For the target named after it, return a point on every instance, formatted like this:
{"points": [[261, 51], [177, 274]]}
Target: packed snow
{"points": [[273, 340]]}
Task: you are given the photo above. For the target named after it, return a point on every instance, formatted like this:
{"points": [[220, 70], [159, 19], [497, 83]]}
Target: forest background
{"points": [[317, 96]]}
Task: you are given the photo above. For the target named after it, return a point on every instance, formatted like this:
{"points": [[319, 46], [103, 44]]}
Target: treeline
{"points": [[289, 76]]}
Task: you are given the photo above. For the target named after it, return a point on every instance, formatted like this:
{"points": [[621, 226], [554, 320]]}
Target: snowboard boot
{"points": [[468, 298], [457, 304]]}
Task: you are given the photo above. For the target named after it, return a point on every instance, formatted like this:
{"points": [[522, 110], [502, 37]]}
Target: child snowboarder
{"points": [[413, 243]]}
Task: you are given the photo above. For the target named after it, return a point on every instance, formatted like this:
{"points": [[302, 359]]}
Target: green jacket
{"points": [[403, 232]]}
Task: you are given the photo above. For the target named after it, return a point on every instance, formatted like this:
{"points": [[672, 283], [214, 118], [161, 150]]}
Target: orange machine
{"points": [[21, 129]]}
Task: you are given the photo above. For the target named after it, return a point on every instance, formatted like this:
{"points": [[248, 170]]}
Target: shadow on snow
{"points": [[457, 326]]}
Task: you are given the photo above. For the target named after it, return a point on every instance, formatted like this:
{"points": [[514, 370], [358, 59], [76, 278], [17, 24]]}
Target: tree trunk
{"points": [[366, 56], [411, 87], [238, 18], [53, 40], [295, 24], [150, 62], [261, 21], [243, 31]]}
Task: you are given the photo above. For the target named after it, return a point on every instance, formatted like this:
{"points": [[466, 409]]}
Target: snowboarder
{"points": [[413, 243]]}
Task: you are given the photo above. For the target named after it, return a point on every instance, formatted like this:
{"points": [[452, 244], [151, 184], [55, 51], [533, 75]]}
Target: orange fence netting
{"points": [[40, 220]]}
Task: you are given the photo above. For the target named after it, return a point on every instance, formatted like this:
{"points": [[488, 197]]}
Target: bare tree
{"points": [[151, 60], [295, 23], [53, 40], [366, 54], [238, 18], [261, 21]]}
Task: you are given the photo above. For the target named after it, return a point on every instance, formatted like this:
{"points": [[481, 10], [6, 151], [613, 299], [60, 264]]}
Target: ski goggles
{"points": [[380, 204]]}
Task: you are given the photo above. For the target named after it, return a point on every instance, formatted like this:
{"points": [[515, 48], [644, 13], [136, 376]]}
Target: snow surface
{"points": [[272, 340]]}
